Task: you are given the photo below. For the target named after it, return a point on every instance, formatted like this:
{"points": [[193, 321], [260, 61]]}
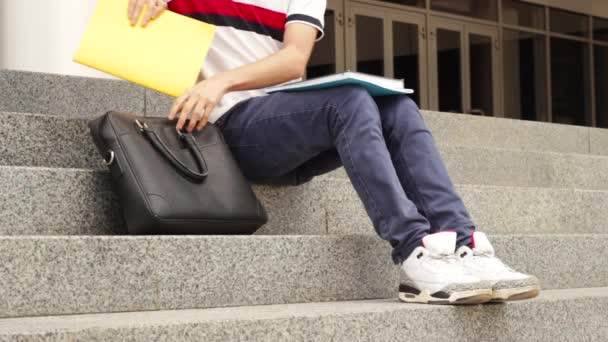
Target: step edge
{"points": [[74, 323]]}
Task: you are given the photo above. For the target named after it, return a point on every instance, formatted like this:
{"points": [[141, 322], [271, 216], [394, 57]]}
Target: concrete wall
{"points": [[42, 35]]}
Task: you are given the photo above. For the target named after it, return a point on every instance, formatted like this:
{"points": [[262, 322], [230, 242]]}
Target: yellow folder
{"points": [[166, 56]]}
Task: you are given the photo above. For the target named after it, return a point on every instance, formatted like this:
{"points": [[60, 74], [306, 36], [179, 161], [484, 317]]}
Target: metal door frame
{"points": [[493, 33], [465, 29], [388, 16], [436, 23]]}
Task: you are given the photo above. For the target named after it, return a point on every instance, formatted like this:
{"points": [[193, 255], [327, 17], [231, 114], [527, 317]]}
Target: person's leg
{"points": [[425, 180], [420, 167], [273, 135], [320, 164], [295, 135]]}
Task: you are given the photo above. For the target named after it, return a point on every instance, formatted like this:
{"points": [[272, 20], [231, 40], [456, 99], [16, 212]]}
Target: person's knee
{"points": [[402, 109], [355, 101]]}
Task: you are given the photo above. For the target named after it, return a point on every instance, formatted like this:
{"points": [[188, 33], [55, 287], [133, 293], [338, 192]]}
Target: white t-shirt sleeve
{"points": [[310, 12]]}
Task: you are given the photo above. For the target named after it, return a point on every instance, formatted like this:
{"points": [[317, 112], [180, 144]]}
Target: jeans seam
{"points": [[410, 179], [255, 122], [365, 188]]}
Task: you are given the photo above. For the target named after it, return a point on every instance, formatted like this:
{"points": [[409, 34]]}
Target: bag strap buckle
{"points": [[142, 125], [111, 158]]}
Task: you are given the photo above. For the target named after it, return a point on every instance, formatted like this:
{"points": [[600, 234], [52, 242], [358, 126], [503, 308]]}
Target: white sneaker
{"points": [[507, 284], [436, 277]]}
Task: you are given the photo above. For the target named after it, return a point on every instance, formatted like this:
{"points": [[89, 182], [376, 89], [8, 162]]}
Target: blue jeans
{"points": [[383, 144]]}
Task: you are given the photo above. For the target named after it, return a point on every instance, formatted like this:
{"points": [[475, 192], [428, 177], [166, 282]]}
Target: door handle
{"points": [[340, 19]]}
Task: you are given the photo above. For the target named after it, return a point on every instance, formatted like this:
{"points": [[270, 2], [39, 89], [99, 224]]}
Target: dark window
{"points": [[523, 14], [449, 71], [569, 23], [370, 45], [525, 63], [601, 85], [323, 59], [406, 56], [600, 29], [415, 3], [480, 52], [482, 9], [570, 82]]}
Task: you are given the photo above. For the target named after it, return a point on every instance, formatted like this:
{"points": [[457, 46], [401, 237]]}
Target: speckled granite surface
{"points": [[33, 92], [22, 91], [517, 168], [62, 275], [598, 141], [495, 209], [48, 141], [470, 130], [506, 167], [73, 201], [52, 275], [157, 104], [294, 210], [56, 202], [565, 315], [42, 140]]}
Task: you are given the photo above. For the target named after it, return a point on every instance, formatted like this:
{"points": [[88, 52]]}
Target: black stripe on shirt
{"points": [[240, 24], [311, 20]]}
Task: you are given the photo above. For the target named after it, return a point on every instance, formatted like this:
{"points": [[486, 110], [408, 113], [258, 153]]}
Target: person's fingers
{"points": [[131, 8], [177, 106], [204, 120], [158, 10], [151, 8], [139, 4], [185, 114], [197, 114], [208, 109]]}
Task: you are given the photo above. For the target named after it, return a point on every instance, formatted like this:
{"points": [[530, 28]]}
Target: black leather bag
{"points": [[171, 182]]}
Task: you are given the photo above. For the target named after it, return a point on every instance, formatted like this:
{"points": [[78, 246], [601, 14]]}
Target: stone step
{"points": [[508, 167], [72, 96], [69, 275], [556, 315], [46, 141], [89, 97], [50, 201]]}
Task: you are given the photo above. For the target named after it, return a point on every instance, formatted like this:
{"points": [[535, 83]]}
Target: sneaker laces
{"points": [[490, 259], [445, 257]]}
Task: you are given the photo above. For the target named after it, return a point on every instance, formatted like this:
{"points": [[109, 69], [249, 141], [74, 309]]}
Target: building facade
{"points": [[542, 60]]}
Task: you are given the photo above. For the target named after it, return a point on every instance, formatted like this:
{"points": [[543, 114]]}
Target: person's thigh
{"points": [[283, 134]]}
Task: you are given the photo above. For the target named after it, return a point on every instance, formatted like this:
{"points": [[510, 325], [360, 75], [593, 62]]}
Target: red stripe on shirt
{"points": [[231, 8]]}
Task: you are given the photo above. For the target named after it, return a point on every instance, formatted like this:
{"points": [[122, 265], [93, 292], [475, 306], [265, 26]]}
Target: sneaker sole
{"points": [[519, 293], [469, 297]]}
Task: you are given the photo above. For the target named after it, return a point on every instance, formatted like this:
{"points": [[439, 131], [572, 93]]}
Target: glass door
{"points": [[365, 39], [408, 36], [388, 42], [447, 66], [328, 54], [484, 64], [464, 68]]}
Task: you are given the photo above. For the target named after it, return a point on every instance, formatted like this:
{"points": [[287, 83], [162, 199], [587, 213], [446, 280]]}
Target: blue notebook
{"points": [[375, 85]]}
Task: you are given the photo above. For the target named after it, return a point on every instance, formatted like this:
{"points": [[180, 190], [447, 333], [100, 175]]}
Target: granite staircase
{"points": [[316, 271]]}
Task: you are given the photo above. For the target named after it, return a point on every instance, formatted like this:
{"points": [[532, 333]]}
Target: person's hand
{"points": [[197, 103], [154, 9]]}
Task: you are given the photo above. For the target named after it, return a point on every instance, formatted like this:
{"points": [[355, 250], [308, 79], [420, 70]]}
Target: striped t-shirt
{"points": [[247, 31]]}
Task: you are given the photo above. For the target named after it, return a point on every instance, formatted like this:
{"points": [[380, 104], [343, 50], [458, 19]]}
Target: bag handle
{"points": [[189, 141]]}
